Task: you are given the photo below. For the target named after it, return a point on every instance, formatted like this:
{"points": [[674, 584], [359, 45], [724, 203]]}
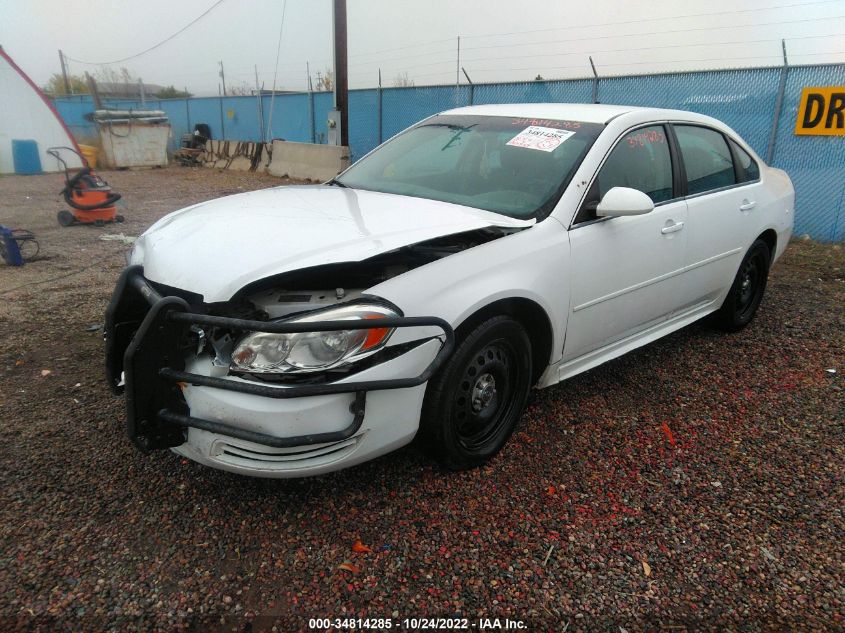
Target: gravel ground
{"points": [[697, 483]]}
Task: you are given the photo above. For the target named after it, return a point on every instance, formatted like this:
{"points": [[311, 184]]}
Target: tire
{"points": [[473, 404], [66, 218], [747, 290]]}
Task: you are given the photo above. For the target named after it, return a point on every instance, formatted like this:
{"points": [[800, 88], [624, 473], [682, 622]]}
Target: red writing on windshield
{"points": [[564, 125]]}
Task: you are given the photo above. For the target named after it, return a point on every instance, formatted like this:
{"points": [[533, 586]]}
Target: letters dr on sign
{"points": [[821, 112]]}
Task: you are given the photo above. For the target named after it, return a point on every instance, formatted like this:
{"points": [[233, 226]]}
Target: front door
{"points": [[625, 270]]}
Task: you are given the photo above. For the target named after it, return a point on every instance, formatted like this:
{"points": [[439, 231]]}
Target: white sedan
{"points": [[422, 293]]}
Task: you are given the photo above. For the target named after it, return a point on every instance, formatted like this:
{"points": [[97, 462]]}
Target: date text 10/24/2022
{"points": [[418, 624]]}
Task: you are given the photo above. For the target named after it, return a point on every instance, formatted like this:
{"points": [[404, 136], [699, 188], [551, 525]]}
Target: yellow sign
{"points": [[821, 112]]}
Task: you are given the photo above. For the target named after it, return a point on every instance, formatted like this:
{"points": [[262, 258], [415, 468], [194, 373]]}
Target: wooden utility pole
{"points": [[259, 105], [341, 82], [95, 94], [68, 89], [223, 78]]}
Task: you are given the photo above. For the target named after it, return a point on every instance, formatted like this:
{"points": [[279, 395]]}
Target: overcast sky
{"points": [[500, 41]]}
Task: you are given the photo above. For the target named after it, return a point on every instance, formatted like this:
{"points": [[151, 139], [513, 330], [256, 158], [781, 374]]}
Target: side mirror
{"points": [[624, 201]]}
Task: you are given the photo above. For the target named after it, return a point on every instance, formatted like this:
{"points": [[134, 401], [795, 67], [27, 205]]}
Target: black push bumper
{"points": [[147, 338]]}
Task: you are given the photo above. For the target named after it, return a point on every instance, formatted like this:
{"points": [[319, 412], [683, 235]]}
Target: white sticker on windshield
{"points": [[545, 139]]}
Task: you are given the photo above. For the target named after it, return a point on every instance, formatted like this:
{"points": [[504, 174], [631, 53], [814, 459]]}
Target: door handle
{"points": [[747, 205], [672, 228]]}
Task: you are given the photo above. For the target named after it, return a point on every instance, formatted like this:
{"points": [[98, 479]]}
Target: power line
{"points": [[360, 65], [650, 48], [401, 57], [652, 33], [400, 48], [652, 62], [656, 19], [591, 38], [581, 26], [407, 66], [392, 68], [164, 41]]}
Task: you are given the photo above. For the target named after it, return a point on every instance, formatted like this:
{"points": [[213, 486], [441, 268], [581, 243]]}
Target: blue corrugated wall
{"points": [[745, 99]]}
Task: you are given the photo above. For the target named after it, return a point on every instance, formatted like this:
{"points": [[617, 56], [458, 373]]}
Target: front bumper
{"points": [[147, 338]]}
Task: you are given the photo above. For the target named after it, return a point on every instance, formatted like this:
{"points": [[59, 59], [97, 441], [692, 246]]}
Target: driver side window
{"points": [[640, 160]]}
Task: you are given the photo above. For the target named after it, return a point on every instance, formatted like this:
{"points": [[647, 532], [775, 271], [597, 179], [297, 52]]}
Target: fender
{"points": [[531, 264]]}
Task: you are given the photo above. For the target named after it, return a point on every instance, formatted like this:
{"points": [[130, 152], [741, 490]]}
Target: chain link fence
{"points": [[746, 99]]}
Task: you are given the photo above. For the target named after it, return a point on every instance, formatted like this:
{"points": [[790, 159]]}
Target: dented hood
{"points": [[215, 248]]}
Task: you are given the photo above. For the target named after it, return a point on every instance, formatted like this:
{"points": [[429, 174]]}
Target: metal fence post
{"points": [[595, 96], [471, 86], [770, 151], [378, 108], [222, 122], [311, 116]]}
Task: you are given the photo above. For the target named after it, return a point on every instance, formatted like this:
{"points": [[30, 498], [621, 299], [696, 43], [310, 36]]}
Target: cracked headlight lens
{"points": [[262, 352]]}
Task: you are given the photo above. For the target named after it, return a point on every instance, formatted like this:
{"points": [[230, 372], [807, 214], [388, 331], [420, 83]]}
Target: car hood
{"points": [[215, 248]]}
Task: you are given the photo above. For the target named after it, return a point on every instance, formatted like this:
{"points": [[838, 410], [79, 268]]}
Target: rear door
{"points": [[625, 269], [722, 191]]}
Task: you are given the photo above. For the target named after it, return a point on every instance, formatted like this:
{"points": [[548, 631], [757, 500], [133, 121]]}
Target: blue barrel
{"points": [[25, 156]]}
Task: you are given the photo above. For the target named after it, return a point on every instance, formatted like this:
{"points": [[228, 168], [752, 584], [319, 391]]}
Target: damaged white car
{"points": [[423, 292]]}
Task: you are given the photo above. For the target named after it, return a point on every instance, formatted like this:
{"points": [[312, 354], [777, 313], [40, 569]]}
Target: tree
{"points": [[56, 85], [325, 81], [241, 89], [403, 81], [107, 74], [172, 93]]}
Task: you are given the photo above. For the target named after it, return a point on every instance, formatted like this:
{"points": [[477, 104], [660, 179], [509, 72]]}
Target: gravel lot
{"points": [[697, 483]]}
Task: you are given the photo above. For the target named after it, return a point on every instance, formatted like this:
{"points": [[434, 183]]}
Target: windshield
{"points": [[514, 166]]}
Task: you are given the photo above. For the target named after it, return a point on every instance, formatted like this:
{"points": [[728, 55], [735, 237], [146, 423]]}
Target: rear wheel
{"points": [[747, 290], [474, 403]]}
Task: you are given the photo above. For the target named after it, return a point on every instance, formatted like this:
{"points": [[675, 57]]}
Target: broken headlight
{"points": [[262, 352]]}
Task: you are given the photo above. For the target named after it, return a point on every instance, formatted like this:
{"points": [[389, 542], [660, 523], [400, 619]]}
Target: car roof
{"points": [[585, 112]]}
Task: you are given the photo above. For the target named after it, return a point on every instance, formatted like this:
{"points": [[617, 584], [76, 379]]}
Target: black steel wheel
{"points": [[474, 403], [65, 217], [747, 290]]}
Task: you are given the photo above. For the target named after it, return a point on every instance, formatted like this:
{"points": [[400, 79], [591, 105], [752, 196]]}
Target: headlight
{"points": [[262, 352]]}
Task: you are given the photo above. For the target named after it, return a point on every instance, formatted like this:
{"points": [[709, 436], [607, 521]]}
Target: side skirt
{"points": [[597, 357]]}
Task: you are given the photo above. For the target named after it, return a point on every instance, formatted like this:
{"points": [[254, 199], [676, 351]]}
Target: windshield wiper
{"points": [[457, 134], [337, 183]]}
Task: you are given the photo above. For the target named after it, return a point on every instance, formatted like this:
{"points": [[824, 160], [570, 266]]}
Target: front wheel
{"points": [[747, 290], [472, 406]]}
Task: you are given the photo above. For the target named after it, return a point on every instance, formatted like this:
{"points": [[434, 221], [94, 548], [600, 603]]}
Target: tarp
{"points": [[27, 116]]}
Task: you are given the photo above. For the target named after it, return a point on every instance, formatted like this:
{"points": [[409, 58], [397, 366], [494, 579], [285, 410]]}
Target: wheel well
{"points": [[771, 240], [532, 317]]}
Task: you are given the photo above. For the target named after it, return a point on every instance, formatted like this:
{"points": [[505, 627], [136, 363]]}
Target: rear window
{"points": [[707, 158], [748, 168]]}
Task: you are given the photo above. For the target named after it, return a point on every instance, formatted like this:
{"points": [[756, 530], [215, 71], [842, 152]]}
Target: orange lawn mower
{"points": [[90, 197]]}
